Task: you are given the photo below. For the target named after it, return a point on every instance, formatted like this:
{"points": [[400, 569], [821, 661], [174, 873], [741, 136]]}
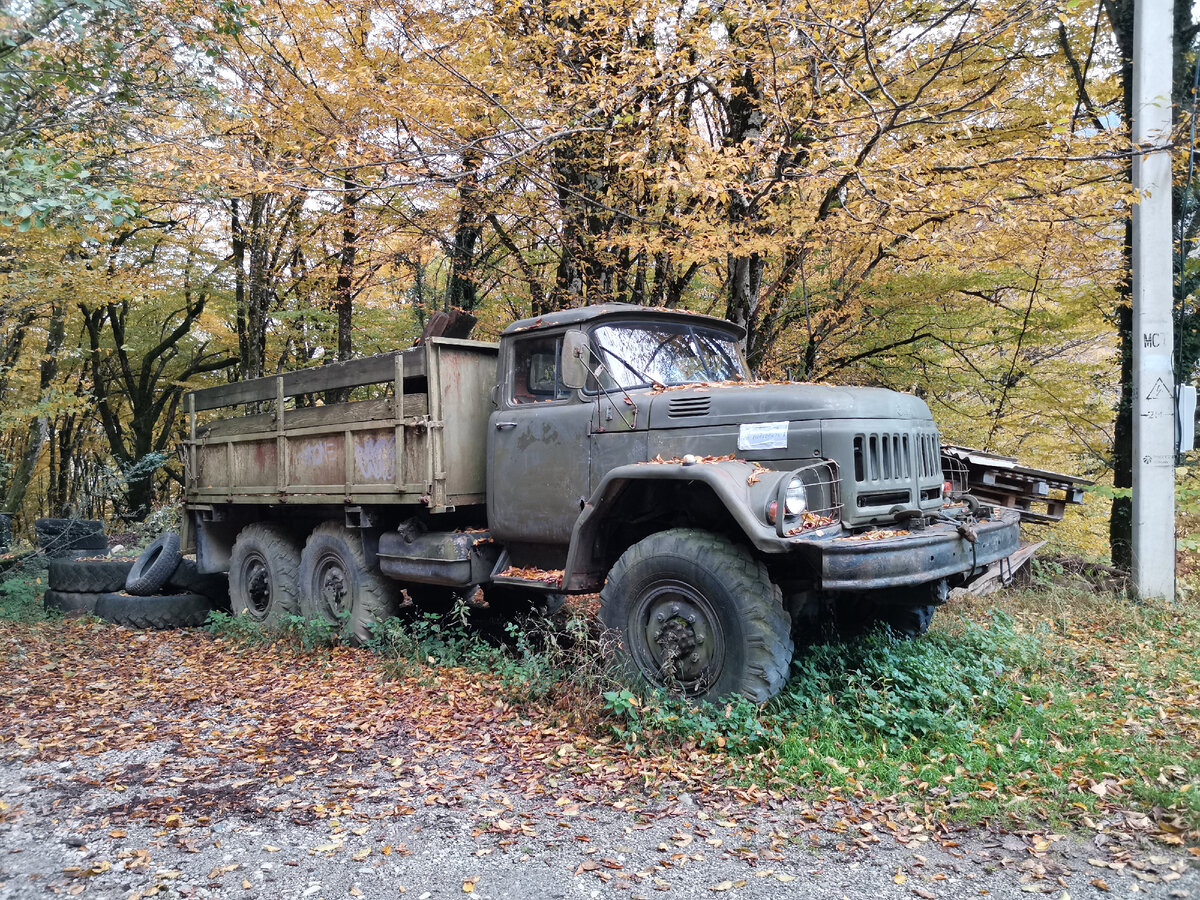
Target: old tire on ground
{"points": [[71, 603], [151, 570], [59, 537], [698, 616], [97, 576], [337, 588], [907, 621], [264, 575], [160, 611], [187, 577]]}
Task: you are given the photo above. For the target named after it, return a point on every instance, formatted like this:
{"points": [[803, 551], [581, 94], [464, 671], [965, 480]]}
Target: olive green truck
{"points": [[613, 448]]}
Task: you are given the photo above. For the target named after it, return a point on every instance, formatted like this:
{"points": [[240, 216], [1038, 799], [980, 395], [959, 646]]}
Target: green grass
{"points": [[21, 589], [1037, 716]]}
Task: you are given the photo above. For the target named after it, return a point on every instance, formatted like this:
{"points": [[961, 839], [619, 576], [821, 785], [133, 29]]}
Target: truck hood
{"points": [[730, 404]]}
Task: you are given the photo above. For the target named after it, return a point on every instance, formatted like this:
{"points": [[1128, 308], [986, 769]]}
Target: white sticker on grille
{"points": [[763, 436]]}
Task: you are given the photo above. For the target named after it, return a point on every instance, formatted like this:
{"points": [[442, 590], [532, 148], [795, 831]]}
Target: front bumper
{"points": [[858, 563]]}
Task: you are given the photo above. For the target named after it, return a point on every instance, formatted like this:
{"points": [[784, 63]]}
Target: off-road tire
{"points": [[60, 537], [264, 575], [152, 569], [187, 578], [739, 623], [96, 576], [337, 587], [907, 621], [71, 603], [160, 611]]}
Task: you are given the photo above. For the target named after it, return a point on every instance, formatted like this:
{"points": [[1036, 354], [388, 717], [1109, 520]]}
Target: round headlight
{"points": [[795, 501]]}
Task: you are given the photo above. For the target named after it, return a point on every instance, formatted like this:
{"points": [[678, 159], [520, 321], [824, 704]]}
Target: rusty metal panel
{"points": [[317, 460], [467, 374], [255, 464], [375, 457]]}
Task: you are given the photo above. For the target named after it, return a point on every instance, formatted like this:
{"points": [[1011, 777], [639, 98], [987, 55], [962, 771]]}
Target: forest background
{"points": [[930, 195]]}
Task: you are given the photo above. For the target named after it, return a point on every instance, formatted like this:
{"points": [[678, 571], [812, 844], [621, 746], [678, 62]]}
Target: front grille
{"points": [[685, 407], [884, 498], [929, 456], [883, 457], [890, 466]]}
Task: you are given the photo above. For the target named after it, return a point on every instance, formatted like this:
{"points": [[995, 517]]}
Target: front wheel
{"points": [[336, 587], [698, 616]]}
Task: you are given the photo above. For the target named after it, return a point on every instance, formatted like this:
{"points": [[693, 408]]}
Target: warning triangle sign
{"points": [[1159, 390]]}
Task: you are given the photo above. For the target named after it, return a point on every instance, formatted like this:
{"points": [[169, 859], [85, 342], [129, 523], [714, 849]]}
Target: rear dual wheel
{"points": [[271, 580], [337, 588], [264, 575]]}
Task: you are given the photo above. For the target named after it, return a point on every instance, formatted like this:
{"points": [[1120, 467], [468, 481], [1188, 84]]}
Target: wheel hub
{"points": [[680, 645], [333, 586], [258, 587]]}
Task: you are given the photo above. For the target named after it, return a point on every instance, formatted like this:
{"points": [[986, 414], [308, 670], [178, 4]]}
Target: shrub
{"points": [[882, 688]]}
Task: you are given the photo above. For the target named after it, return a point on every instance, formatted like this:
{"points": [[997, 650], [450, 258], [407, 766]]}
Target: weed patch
{"points": [[658, 721], [303, 635], [21, 589], [1060, 710]]}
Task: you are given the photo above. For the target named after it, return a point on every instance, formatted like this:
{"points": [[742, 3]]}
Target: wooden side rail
{"points": [[349, 374]]}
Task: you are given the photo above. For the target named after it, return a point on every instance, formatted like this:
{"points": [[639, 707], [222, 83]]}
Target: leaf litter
{"points": [[324, 738]]}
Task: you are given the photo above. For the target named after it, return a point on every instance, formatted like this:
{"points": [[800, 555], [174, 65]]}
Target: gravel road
{"points": [[66, 830]]}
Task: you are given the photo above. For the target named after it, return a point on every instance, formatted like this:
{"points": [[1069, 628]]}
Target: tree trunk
{"points": [[343, 302], [461, 289], [745, 271], [39, 426]]}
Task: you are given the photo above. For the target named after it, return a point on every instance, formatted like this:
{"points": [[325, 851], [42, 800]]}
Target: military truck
{"points": [[614, 448]]}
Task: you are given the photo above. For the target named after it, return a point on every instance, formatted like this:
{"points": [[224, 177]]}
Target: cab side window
{"points": [[537, 373]]}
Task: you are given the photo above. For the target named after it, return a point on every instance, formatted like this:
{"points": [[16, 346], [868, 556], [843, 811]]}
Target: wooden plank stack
{"points": [[1038, 495]]}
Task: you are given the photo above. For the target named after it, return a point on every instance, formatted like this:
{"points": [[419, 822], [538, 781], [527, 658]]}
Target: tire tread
{"points": [[376, 596], [278, 547], [96, 576], [767, 625], [159, 612]]}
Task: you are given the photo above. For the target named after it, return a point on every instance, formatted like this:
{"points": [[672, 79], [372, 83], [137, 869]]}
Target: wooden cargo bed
{"points": [[422, 442]]}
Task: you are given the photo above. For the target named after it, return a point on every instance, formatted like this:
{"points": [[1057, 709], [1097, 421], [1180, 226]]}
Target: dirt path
{"points": [[170, 765]]}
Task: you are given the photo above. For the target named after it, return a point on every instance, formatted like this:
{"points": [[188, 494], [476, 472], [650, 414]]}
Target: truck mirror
{"points": [[575, 356]]}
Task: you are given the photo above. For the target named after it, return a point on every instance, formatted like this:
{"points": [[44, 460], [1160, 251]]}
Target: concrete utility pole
{"points": [[1153, 374]]}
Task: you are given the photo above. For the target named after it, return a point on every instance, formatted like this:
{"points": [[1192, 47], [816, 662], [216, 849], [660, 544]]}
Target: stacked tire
{"points": [[71, 538], [163, 590], [76, 585]]}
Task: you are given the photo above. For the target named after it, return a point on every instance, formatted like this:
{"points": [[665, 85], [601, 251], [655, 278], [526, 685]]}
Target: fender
{"points": [[743, 488]]}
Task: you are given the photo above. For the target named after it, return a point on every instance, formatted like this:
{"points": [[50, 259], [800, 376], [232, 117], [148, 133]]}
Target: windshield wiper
{"points": [[632, 368]]}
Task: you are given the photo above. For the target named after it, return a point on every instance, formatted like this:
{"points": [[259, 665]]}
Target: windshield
{"points": [[665, 353]]}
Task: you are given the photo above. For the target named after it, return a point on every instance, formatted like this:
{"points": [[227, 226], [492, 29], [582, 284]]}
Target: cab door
{"points": [[538, 468]]}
